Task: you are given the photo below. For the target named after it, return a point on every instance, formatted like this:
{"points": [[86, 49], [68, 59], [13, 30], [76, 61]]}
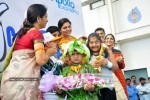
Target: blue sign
{"points": [[134, 16], [67, 5]]}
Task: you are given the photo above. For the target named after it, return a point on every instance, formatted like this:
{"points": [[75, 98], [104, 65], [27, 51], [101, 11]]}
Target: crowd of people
{"points": [[138, 91], [33, 54]]}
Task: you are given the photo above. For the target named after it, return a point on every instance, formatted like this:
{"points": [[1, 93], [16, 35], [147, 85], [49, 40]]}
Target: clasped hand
{"points": [[89, 87], [102, 62]]}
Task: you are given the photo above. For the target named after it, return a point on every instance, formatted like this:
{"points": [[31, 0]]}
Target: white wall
{"points": [[122, 8], [132, 38], [95, 18], [137, 54], [125, 29]]}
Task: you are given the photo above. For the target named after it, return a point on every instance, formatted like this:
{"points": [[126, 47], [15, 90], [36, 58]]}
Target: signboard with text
{"points": [[12, 14]]}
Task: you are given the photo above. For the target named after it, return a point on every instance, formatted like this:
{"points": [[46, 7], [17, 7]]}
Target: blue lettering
{"points": [[72, 5], [67, 5], [65, 2], [59, 2], [10, 33]]}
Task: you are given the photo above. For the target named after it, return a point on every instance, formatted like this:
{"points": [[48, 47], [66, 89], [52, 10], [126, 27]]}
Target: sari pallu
{"points": [[120, 94], [21, 77]]}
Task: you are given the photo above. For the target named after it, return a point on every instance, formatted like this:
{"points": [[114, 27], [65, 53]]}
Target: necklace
{"points": [[76, 69]]}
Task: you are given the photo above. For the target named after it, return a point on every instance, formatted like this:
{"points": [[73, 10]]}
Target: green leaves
{"points": [[76, 45], [81, 94], [79, 46]]}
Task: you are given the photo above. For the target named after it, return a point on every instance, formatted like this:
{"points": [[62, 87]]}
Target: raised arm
{"points": [[43, 55], [112, 60]]}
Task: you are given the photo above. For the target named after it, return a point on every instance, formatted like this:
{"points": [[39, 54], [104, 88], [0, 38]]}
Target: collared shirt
{"points": [[54, 65], [58, 53], [132, 92], [142, 88]]}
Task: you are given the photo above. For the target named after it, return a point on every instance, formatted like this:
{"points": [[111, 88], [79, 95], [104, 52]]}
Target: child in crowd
{"points": [[50, 40], [79, 56], [53, 64], [102, 59], [54, 30]]}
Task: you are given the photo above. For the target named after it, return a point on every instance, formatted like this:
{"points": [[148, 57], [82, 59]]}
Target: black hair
{"points": [[128, 79], [133, 76], [98, 38], [62, 21], [111, 35], [34, 11], [142, 79], [148, 78], [100, 29], [52, 29]]}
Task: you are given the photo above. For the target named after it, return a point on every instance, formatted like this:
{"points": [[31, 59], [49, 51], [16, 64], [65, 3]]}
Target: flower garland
{"points": [[76, 68], [99, 58]]}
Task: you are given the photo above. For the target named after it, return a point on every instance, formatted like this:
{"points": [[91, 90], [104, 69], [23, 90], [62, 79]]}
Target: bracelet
{"points": [[38, 41], [39, 49], [109, 64]]}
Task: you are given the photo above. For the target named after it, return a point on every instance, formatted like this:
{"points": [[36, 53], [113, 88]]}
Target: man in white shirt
{"points": [[144, 90]]}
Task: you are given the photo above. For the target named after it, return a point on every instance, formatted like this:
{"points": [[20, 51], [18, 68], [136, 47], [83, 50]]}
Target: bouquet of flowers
{"points": [[76, 81], [73, 85], [79, 80], [48, 81]]}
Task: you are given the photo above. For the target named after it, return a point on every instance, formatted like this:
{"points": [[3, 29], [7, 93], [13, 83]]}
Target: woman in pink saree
{"points": [[21, 77]]}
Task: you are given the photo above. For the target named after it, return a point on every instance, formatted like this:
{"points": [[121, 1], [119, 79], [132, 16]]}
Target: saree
{"points": [[7, 61], [21, 77], [119, 74], [120, 94], [64, 41]]}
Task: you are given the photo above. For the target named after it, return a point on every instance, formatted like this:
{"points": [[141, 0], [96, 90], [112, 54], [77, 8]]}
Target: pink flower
{"points": [[78, 81]]}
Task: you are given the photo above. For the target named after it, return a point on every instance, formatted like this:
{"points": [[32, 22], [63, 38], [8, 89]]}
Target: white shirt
{"points": [[106, 71], [146, 88]]}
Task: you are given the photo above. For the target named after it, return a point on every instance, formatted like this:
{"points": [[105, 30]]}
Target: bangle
{"points": [[39, 49], [38, 41], [109, 64]]}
